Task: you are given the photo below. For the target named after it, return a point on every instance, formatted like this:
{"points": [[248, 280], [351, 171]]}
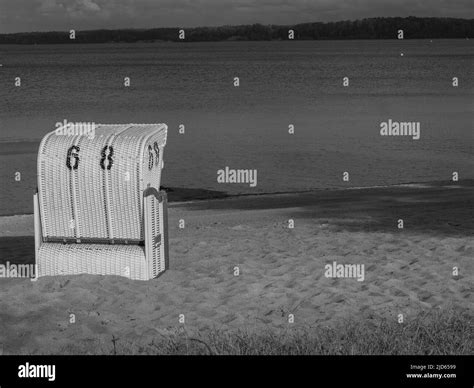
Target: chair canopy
{"points": [[91, 187]]}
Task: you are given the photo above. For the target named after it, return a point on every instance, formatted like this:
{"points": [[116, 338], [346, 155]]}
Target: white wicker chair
{"points": [[98, 208]]}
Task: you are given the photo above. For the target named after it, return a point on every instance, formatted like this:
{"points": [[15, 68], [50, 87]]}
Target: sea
{"points": [[303, 114]]}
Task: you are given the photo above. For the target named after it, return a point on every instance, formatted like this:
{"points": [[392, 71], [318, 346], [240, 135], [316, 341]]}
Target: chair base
{"points": [[94, 259], [133, 261]]}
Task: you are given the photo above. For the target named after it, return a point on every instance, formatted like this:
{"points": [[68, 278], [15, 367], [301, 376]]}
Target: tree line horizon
{"points": [[370, 28]]}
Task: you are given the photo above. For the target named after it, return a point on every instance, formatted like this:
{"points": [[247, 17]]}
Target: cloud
{"points": [[50, 6], [82, 8], [89, 5]]}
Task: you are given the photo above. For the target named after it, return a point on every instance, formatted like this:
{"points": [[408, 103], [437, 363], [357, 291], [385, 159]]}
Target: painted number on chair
{"points": [[106, 160], [153, 160], [72, 152], [107, 153]]}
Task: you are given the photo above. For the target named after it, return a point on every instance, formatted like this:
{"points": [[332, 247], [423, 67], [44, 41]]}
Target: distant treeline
{"points": [[373, 28]]}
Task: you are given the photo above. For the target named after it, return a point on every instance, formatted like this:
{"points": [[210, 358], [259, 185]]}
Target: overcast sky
{"points": [[47, 15]]}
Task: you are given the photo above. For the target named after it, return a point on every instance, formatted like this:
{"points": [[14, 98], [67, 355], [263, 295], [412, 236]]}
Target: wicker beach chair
{"points": [[99, 208]]}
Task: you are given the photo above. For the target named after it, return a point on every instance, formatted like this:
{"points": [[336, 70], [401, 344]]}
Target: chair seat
{"points": [[94, 259]]}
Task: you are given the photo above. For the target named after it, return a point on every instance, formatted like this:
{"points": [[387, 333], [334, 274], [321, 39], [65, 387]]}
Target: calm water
{"points": [[281, 83]]}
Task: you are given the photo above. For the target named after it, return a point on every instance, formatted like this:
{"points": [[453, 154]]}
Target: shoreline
{"points": [[178, 196], [237, 41]]}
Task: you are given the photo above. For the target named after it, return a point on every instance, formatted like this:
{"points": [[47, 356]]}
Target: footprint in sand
{"points": [[425, 296], [397, 292], [228, 318], [62, 326], [338, 299]]}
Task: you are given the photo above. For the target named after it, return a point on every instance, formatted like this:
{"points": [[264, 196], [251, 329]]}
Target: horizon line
{"points": [[236, 25]]}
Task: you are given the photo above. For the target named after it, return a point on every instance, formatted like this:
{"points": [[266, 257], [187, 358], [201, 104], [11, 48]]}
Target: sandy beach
{"points": [[281, 270]]}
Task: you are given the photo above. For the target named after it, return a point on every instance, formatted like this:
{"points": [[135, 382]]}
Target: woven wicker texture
{"points": [[155, 224], [93, 259], [91, 194], [92, 188]]}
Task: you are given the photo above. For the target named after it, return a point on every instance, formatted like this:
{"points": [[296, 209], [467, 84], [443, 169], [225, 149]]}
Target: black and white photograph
{"points": [[209, 178]]}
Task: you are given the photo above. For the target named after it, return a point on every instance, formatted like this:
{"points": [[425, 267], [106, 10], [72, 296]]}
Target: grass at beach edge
{"points": [[436, 332]]}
